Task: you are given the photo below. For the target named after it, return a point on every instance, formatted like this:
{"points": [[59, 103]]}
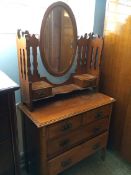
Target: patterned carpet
{"points": [[93, 165]]}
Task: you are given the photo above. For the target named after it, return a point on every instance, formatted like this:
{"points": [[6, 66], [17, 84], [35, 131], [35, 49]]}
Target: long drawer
{"points": [[61, 144], [76, 154], [64, 126]]}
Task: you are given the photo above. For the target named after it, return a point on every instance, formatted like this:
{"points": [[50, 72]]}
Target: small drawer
{"points": [[61, 144], [96, 114], [69, 158], [41, 89], [41, 93], [64, 126]]}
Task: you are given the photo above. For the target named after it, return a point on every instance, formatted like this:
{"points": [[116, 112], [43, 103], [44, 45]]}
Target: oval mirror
{"points": [[58, 39]]}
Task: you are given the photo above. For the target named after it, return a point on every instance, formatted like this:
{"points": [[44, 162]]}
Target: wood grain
{"points": [[62, 109], [116, 66], [64, 125], [61, 144], [76, 154]]}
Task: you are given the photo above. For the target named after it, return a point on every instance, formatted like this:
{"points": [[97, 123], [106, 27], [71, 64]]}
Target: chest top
{"points": [[57, 110]]}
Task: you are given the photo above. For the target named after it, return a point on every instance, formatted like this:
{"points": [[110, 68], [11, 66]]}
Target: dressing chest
{"points": [[65, 118], [62, 132]]}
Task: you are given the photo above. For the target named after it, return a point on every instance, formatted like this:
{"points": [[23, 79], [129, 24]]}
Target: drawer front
{"points": [[96, 114], [4, 126], [6, 159], [64, 126], [76, 154], [41, 93], [4, 103], [61, 144]]}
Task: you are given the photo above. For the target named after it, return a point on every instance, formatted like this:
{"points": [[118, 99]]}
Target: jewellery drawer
{"points": [[41, 89], [96, 114], [61, 144], [64, 126], [76, 154]]}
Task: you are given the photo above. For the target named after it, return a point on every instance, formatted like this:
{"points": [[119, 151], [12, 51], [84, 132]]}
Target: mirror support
{"points": [[35, 88]]}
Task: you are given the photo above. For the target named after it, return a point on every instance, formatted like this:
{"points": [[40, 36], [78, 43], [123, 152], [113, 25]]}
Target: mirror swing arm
{"points": [[87, 51]]}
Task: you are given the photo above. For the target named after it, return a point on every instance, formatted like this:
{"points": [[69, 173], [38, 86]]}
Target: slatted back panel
{"points": [[24, 63], [23, 51], [89, 55]]}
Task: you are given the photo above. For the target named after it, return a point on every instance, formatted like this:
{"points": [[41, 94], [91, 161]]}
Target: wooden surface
{"points": [[126, 137], [40, 85], [61, 132], [89, 56], [65, 89], [51, 112], [71, 139], [73, 156], [116, 68], [85, 80], [9, 157], [59, 128], [88, 59]]}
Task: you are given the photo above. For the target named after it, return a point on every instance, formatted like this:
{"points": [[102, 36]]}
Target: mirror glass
{"points": [[58, 39]]}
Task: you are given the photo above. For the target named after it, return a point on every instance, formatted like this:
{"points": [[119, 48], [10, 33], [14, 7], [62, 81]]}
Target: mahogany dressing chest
{"points": [[65, 118], [62, 132]]}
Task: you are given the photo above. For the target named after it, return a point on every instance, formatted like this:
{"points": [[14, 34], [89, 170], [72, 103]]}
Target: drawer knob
{"points": [[96, 146], [66, 127], [40, 92], [64, 143], [99, 115], [66, 163], [96, 130]]}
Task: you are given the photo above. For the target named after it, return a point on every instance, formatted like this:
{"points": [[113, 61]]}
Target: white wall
{"points": [[28, 14]]}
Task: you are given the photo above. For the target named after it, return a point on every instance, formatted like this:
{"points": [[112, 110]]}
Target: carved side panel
{"points": [[23, 51], [89, 55]]}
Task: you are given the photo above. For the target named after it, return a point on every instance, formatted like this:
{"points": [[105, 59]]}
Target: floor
{"points": [[93, 165]]}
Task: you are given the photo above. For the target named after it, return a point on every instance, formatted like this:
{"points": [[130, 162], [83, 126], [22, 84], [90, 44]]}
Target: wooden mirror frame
{"points": [[41, 44]]}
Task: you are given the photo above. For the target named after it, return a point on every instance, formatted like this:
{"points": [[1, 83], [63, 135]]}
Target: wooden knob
{"points": [[99, 115], [64, 143], [66, 127]]}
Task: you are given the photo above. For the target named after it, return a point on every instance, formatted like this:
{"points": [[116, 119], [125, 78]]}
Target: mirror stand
{"points": [[35, 88], [59, 49]]}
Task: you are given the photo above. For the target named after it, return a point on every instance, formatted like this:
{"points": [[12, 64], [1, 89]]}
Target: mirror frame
{"points": [[41, 44]]}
